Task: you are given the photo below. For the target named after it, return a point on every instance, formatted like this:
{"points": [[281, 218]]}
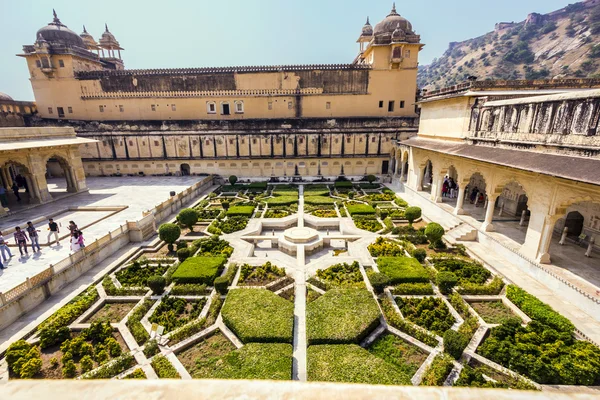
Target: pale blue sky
{"points": [[194, 33]]}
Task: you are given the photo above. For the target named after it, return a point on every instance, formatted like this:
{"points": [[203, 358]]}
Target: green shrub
{"points": [[434, 233], [188, 217], [538, 310], [101, 357], [319, 200], [343, 185], [282, 200], [436, 373], [400, 202], [245, 211], [467, 272], [169, 233], [222, 283], [151, 348], [199, 270], [353, 364], [492, 288], [261, 274], [136, 274], [402, 270], [69, 369], [23, 359], [455, 343], [385, 247], [360, 209], [157, 284], [173, 312], [183, 254], [87, 364], [257, 315], [50, 336], [379, 281], [233, 179], [341, 316], [230, 225], [419, 254], [428, 312], [187, 289], [69, 312], [112, 368], [412, 214], [258, 185], [342, 275], [446, 281], [213, 247], [135, 326], [368, 223], [137, 374], [395, 320], [422, 289]]}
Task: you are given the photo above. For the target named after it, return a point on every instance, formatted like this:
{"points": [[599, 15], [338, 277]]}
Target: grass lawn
{"points": [[318, 200], [258, 315], [353, 364], [245, 211], [341, 316], [199, 270], [402, 270]]}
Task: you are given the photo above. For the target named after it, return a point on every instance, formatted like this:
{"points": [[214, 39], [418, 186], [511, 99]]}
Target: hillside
{"points": [[561, 44]]}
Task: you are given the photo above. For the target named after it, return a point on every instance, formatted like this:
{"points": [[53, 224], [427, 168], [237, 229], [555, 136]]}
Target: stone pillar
{"points": [[489, 214], [545, 240], [420, 180], [438, 189], [41, 187], [458, 210], [32, 189], [588, 253], [563, 237], [522, 221], [4, 174], [9, 180], [403, 171], [71, 183]]}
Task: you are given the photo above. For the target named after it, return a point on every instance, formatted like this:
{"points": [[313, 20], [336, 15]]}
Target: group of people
{"points": [[30, 234], [449, 188], [477, 197]]}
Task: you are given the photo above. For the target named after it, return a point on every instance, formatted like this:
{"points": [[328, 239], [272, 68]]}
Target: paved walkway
{"points": [[587, 323], [137, 193]]}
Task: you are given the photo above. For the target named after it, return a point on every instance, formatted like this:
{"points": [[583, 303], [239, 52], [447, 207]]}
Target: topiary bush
{"points": [[411, 214], [434, 233], [379, 281], [446, 281], [419, 254], [157, 284], [183, 254], [455, 343], [233, 179], [371, 178], [188, 217], [169, 233]]}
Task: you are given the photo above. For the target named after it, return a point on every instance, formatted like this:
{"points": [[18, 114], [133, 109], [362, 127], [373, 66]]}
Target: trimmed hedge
{"points": [[422, 289], [282, 200], [271, 361], [341, 275], [343, 185], [402, 270], [455, 343], [164, 369], [69, 312], [199, 270], [319, 200], [438, 371], [492, 288], [134, 325], [538, 310], [244, 211], [395, 320], [341, 316], [113, 368], [360, 209], [367, 222], [430, 313], [258, 315], [353, 364], [223, 282], [258, 185]]}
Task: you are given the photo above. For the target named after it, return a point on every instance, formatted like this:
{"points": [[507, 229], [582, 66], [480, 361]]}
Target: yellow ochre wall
{"points": [[445, 118], [384, 84]]}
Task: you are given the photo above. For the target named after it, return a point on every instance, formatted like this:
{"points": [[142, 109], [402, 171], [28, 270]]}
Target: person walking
{"points": [[73, 227], [4, 248], [15, 189], [81, 240], [3, 198], [33, 237], [54, 231], [21, 240], [75, 246]]}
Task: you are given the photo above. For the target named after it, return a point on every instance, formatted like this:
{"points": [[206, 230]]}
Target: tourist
{"points": [[474, 195], [4, 248], [73, 227], [53, 228], [3, 198], [33, 237], [15, 189], [81, 241], [445, 188], [75, 246], [21, 240], [480, 199]]}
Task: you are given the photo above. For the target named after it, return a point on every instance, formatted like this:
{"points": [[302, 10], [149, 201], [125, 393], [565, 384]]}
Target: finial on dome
{"points": [[55, 20], [84, 30], [106, 27], [368, 23], [394, 7]]}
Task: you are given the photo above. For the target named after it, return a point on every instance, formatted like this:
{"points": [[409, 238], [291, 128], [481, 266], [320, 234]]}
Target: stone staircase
{"points": [[462, 233]]}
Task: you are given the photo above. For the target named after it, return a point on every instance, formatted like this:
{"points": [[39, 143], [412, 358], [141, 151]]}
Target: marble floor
{"points": [[137, 193]]}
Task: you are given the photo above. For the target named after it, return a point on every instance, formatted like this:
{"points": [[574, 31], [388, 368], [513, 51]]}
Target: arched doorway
{"points": [[574, 223], [511, 212], [17, 180], [185, 169], [475, 196], [60, 176]]}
